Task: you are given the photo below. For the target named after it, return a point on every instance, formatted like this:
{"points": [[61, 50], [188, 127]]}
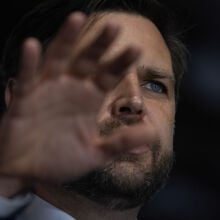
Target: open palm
{"points": [[49, 131]]}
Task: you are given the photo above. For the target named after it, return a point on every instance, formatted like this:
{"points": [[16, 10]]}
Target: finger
{"points": [[125, 139], [92, 53], [59, 53], [30, 61], [122, 62], [113, 71]]}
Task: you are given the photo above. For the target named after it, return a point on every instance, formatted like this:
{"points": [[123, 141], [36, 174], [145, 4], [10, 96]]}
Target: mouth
{"points": [[139, 150], [109, 128]]}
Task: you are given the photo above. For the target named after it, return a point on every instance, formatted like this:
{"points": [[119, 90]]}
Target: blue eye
{"points": [[154, 86]]}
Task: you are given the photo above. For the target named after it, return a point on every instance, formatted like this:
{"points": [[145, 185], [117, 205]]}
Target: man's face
{"points": [[144, 95]]}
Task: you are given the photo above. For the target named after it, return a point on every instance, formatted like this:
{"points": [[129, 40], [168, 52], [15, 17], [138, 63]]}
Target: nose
{"points": [[128, 106], [129, 102]]}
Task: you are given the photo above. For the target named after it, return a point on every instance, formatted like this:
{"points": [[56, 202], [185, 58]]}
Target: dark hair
{"points": [[45, 20]]}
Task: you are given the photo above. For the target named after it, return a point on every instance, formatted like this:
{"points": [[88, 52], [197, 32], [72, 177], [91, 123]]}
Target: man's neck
{"points": [[82, 208]]}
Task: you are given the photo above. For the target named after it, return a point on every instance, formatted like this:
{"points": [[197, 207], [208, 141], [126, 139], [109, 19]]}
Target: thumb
{"points": [[125, 139]]}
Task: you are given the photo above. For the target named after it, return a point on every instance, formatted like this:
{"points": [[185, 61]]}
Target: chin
{"points": [[128, 175], [125, 183]]}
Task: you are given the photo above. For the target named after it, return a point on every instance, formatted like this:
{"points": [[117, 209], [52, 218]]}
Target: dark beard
{"points": [[116, 193], [103, 188]]}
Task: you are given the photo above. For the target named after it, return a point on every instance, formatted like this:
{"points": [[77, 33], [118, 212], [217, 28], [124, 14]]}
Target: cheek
{"points": [[162, 117]]}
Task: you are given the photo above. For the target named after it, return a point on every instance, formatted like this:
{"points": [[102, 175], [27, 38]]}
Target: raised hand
{"points": [[49, 131]]}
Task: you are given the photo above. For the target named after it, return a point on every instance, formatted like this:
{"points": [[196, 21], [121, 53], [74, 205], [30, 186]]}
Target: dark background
{"points": [[193, 189]]}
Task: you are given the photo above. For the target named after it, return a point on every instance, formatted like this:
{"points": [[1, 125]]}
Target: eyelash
{"points": [[161, 85]]}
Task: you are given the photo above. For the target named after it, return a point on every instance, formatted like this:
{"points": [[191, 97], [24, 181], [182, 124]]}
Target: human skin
{"points": [[156, 118], [133, 98], [48, 125]]}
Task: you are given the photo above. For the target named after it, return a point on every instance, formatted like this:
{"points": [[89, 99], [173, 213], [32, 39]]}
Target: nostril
{"points": [[128, 107], [139, 112], [125, 110]]}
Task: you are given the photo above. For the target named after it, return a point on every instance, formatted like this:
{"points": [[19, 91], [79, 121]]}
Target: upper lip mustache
{"points": [[129, 119], [110, 126]]}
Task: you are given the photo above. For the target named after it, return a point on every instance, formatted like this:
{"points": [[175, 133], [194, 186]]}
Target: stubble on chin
{"points": [[125, 183], [129, 179]]}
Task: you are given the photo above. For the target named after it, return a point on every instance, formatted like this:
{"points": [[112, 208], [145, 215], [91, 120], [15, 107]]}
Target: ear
{"points": [[9, 91]]}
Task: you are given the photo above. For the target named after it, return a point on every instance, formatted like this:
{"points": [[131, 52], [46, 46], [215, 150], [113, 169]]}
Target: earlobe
{"points": [[9, 92]]}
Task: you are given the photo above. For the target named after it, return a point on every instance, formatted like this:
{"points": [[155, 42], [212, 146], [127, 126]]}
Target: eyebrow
{"points": [[155, 73]]}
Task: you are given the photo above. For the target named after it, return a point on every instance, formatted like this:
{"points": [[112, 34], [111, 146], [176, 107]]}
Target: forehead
{"points": [[135, 31]]}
